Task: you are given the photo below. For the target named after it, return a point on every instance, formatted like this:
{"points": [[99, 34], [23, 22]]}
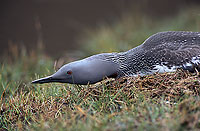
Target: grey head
{"points": [[86, 71]]}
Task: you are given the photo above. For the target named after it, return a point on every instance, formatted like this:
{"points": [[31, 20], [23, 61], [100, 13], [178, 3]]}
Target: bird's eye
{"points": [[69, 72]]}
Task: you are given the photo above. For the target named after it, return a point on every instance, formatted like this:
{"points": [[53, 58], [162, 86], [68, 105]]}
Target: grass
{"points": [[168, 101]]}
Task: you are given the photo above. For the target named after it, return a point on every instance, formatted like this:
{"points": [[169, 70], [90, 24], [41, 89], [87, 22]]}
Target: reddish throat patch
{"points": [[69, 72]]}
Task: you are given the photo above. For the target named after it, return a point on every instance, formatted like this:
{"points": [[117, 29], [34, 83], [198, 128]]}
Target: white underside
{"points": [[162, 68], [158, 69], [196, 60]]}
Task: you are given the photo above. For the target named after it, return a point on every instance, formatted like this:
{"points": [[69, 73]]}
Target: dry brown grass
{"points": [[109, 97], [170, 85]]}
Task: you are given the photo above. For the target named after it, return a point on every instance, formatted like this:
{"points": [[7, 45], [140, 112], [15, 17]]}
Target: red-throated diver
{"points": [[162, 52]]}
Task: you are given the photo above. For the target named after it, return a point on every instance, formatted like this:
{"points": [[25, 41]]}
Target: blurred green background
{"points": [[76, 28]]}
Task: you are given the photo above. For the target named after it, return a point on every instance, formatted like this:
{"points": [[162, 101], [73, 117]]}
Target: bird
{"points": [[161, 52]]}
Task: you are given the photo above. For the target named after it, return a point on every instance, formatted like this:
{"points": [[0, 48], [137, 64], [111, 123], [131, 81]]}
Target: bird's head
{"points": [[86, 71]]}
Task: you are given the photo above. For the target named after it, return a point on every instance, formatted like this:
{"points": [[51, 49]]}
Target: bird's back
{"points": [[172, 40]]}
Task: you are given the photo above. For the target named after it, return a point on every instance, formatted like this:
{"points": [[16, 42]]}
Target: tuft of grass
{"points": [[19, 67]]}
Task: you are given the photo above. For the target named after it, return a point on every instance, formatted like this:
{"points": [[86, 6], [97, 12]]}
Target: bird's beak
{"points": [[49, 79], [43, 80]]}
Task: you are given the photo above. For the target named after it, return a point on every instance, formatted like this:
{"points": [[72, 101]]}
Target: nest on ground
{"points": [[171, 86]]}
